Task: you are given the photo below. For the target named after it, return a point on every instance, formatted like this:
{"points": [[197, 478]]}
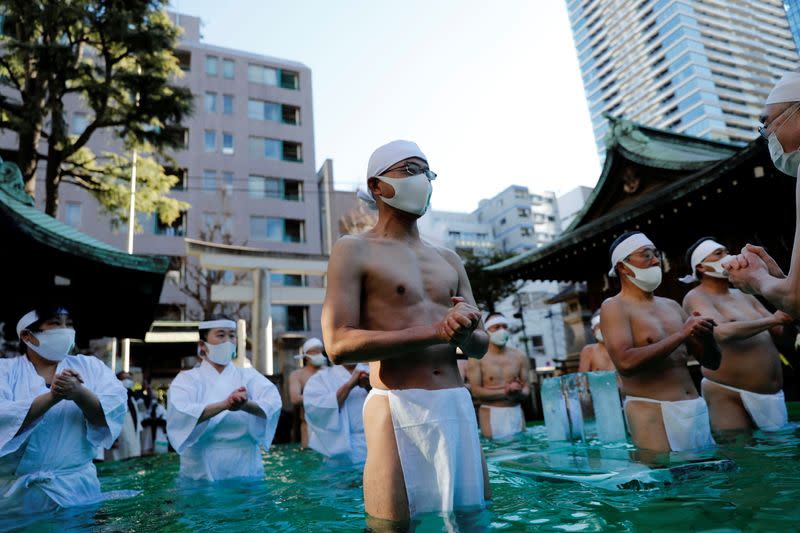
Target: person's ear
{"points": [[201, 347], [623, 270], [27, 336], [702, 268], [373, 184]]}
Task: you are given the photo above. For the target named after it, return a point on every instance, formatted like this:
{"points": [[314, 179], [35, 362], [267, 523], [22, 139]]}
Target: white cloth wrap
{"points": [[505, 421], [49, 464], [703, 250], [383, 158], [686, 422], [439, 449], [595, 321], [222, 323], [310, 344], [786, 90], [768, 411], [228, 444], [27, 319], [494, 321], [336, 433], [626, 248]]}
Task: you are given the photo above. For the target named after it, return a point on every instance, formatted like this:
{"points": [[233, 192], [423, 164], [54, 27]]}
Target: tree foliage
{"points": [[487, 287], [115, 61]]}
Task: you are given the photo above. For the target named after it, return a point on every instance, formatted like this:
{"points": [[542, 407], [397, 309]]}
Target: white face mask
{"points": [[598, 335], [221, 354], [411, 194], [789, 163], [647, 279], [316, 359], [719, 271], [127, 383], [54, 344], [499, 337]]}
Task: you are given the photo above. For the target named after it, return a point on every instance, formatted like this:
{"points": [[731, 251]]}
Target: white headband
{"points": [[626, 248], [786, 90], [703, 250], [595, 321], [383, 158], [222, 323], [496, 320], [26, 320], [311, 343]]}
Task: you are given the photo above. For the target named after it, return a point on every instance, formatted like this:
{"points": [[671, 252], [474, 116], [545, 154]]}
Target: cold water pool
{"points": [[301, 493]]}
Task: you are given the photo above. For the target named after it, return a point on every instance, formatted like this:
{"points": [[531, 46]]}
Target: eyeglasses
{"points": [[412, 169], [648, 255], [766, 131]]}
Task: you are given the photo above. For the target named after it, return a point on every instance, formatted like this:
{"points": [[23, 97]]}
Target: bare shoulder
{"points": [[613, 305], [518, 354], [349, 244], [295, 374], [694, 297], [668, 303], [447, 254]]}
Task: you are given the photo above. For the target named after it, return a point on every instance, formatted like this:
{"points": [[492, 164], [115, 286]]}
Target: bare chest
{"points": [[499, 369], [403, 276], [652, 323]]}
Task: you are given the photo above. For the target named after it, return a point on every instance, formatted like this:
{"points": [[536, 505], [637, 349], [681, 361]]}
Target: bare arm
{"points": [[212, 410], [627, 358], [701, 342], [252, 408], [341, 313], [89, 404], [40, 405], [524, 375], [479, 392], [727, 330], [478, 342], [295, 391], [755, 272], [585, 363], [344, 390]]}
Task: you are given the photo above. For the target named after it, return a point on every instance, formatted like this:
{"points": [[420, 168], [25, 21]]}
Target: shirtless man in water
{"points": [[594, 357], [313, 360], [405, 306], [649, 339], [745, 392], [500, 383]]}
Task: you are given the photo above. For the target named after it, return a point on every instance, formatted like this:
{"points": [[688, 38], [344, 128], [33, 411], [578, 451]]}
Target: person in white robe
{"points": [[129, 443], [56, 410], [333, 400], [219, 416]]}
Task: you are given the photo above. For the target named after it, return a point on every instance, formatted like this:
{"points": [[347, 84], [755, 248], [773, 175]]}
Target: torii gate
{"points": [[261, 295]]}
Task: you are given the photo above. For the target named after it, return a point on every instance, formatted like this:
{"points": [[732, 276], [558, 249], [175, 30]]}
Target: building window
{"points": [[525, 232], [228, 68], [264, 110], [287, 280], [227, 104], [211, 102], [523, 212], [212, 64], [520, 193], [210, 140], [290, 114], [290, 318], [227, 180], [264, 187], [176, 229], [72, 214], [180, 174], [209, 221], [184, 60], [79, 123], [292, 151], [289, 80], [538, 343], [262, 74], [227, 143], [209, 180], [276, 229]]}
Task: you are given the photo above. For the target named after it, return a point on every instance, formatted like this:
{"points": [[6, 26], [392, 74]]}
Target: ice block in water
{"points": [[555, 411], [607, 406], [570, 388]]}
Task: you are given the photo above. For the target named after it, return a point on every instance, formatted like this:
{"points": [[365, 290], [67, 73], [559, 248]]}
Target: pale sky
{"points": [[490, 90]]}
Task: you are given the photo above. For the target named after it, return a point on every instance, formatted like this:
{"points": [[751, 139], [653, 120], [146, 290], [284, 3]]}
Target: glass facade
{"points": [[699, 67], [792, 8]]}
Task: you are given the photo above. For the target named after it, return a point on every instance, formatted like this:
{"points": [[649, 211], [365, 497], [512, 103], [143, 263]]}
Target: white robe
{"points": [[129, 443], [227, 445], [49, 464], [335, 433]]}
